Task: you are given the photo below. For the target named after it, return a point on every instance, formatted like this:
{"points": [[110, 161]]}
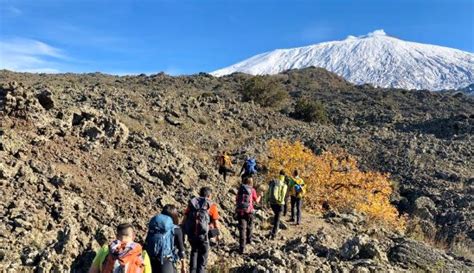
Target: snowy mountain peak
{"points": [[374, 58]]}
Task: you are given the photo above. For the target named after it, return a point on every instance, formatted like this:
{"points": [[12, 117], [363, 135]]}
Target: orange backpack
{"points": [[124, 258]]}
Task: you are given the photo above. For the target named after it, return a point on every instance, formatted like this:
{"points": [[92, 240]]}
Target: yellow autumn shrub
{"points": [[334, 178]]}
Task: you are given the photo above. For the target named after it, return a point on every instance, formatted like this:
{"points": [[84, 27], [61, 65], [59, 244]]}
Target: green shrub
{"points": [[310, 111], [265, 91]]}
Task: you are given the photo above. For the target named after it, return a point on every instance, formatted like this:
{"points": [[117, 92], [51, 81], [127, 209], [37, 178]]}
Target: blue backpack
{"points": [[159, 242], [298, 188], [250, 166]]}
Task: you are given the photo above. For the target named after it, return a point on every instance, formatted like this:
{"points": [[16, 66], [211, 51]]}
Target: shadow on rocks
{"points": [[82, 262]]}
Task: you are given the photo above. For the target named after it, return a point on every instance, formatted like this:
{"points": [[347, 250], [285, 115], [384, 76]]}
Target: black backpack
{"points": [[198, 219], [244, 200]]}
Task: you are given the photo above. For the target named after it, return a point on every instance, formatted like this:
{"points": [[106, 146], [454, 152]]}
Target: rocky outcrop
{"points": [[17, 101], [414, 255]]}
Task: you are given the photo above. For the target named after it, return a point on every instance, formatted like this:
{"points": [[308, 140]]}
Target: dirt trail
{"points": [[311, 224]]}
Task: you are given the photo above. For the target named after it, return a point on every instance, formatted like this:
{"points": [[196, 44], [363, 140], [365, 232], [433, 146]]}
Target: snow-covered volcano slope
{"points": [[375, 58]]}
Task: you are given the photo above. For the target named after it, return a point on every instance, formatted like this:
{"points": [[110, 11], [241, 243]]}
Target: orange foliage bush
{"points": [[334, 177]]}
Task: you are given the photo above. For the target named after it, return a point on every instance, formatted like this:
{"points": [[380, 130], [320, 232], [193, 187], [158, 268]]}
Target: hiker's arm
{"points": [[98, 259], [147, 262], [242, 170], [186, 212], [178, 238], [215, 223], [214, 214], [255, 196], [93, 269]]}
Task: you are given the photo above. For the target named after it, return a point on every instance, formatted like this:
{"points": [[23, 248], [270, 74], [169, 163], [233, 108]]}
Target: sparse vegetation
{"points": [[310, 111], [414, 229], [333, 178], [463, 247], [265, 91]]}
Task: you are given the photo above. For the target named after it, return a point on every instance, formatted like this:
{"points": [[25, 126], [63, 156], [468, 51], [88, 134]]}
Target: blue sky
{"points": [[184, 37]]}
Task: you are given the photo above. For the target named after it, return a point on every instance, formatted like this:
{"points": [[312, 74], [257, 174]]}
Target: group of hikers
{"points": [[164, 243]]}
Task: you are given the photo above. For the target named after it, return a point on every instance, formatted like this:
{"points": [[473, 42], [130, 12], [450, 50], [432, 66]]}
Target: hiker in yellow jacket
{"points": [[275, 196], [297, 191]]}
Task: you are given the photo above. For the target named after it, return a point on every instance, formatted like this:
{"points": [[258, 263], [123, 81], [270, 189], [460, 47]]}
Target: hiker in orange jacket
{"points": [[225, 165]]}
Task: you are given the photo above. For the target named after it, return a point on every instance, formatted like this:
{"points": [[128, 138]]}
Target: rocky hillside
{"points": [[81, 153]]}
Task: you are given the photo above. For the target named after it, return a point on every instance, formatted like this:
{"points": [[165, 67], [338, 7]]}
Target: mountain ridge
{"points": [[375, 58]]}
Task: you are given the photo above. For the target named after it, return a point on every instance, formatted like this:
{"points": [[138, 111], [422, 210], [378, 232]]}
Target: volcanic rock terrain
{"points": [[80, 153]]}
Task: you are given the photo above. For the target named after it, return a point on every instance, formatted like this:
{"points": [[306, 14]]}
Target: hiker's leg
{"points": [[202, 257], [293, 207], [166, 267], [193, 259], [278, 212], [275, 227], [224, 174], [242, 231], [250, 228], [285, 206], [299, 206]]}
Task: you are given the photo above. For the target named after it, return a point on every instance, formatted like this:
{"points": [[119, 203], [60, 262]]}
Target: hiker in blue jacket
{"points": [[249, 168], [164, 241]]}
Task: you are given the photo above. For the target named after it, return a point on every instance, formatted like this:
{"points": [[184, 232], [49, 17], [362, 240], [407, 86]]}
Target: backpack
{"points": [[250, 166], [198, 219], [298, 187], [159, 242], [124, 258], [244, 200], [276, 195], [224, 161]]}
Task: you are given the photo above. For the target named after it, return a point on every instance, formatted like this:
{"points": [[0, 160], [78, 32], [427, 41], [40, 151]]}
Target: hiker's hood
{"points": [[120, 248]]}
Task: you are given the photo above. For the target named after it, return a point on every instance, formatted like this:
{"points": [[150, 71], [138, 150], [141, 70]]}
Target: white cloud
{"points": [[7, 10], [27, 55], [14, 11]]}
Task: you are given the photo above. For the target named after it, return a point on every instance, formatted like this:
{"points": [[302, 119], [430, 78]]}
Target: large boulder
{"points": [[424, 208], [362, 247], [414, 255], [45, 98]]}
